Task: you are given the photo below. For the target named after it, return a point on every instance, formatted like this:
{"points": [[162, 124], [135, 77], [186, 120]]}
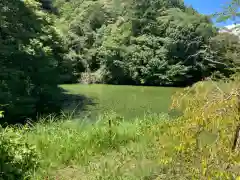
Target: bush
{"points": [[205, 134], [29, 59], [17, 158]]}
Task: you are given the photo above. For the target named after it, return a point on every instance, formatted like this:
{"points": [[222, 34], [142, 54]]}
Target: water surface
{"points": [[126, 101]]}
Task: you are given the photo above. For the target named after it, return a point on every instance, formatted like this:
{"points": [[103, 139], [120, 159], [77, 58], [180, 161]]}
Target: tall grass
{"points": [[111, 148], [197, 145]]}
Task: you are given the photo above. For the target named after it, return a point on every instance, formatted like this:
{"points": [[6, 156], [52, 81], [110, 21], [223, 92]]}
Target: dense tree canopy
{"points": [[30, 58], [160, 42]]}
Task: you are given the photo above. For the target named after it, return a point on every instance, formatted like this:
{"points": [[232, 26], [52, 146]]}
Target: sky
{"points": [[209, 7]]}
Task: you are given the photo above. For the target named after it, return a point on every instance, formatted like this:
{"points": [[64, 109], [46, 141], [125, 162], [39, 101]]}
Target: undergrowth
{"points": [[205, 134], [18, 159], [203, 143], [110, 148]]}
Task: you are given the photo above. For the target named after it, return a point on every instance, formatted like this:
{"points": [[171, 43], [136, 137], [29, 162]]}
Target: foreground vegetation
{"points": [[130, 102], [136, 42], [201, 144], [79, 150]]}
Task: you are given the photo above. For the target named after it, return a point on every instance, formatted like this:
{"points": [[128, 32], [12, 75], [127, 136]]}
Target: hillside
{"points": [[161, 43]]}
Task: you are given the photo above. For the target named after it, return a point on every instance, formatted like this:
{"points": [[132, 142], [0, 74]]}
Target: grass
{"points": [[128, 150], [197, 145], [127, 101], [74, 150]]}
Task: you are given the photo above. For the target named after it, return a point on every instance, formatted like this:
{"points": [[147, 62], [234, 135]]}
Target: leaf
{"points": [[1, 114]]}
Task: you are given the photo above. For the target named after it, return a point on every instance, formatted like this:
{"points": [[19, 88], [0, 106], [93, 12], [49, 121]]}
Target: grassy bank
{"points": [[197, 145], [74, 150], [127, 101]]}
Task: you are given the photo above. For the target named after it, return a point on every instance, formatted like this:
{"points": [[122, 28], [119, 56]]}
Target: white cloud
{"points": [[235, 29]]}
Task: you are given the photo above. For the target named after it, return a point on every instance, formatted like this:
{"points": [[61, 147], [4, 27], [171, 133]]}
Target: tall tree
{"points": [[151, 42], [29, 52]]}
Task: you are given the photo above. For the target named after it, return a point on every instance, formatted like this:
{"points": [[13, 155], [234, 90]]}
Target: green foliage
{"points": [[1, 114], [18, 159], [81, 150], [226, 45], [197, 145], [165, 52], [139, 42], [30, 60], [205, 134], [229, 12]]}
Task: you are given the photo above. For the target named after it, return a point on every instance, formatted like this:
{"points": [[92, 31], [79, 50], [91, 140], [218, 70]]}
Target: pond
{"points": [[127, 101]]}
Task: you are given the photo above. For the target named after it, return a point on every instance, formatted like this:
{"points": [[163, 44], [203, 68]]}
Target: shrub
{"points": [[17, 158], [29, 60], [205, 133]]}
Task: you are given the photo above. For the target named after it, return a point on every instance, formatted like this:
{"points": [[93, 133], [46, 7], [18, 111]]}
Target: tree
{"points": [[163, 43], [142, 42], [229, 12], [29, 52], [149, 42], [227, 46]]}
